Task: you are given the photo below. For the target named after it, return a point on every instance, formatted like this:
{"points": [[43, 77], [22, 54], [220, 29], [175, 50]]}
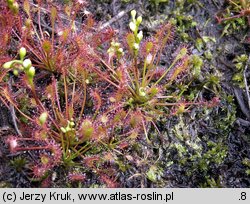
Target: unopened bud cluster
{"points": [[134, 27], [115, 49], [70, 126], [23, 65]]}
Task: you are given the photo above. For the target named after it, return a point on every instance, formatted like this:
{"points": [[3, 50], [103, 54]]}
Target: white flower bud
{"points": [[43, 117], [133, 14], [120, 50], [27, 63], [140, 36], [132, 26], [31, 72], [136, 46], [22, 53], [117, 44]]}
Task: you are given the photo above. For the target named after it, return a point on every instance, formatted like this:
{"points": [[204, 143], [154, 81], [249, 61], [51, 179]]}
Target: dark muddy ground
{"points": [[227, 126]]}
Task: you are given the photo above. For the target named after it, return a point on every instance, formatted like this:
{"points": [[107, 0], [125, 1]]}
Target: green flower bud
{"points": [[22, 53], [27, 64], [71, 124], [15, 72], [131, 100], [7, 65], [132, 26], [133, 14], [68, 128], [31, 72], [43, 118], [139, 20]]}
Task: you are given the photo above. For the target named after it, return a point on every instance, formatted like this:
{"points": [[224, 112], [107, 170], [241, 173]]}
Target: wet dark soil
{"points": [[231, 172]]}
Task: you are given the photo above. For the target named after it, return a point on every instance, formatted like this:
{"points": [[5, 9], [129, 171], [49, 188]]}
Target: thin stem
{"points": [[13, 104], [73, 93], [245, 81], [102, 75], [84, 99], [81, 151], [106, 65], [144, 72], [231, 17], [56, 94], [62, 142], [136, 74], [65, 94], [39, 22], [170, 67], [41, 105], [30, 148], [145, 131]]}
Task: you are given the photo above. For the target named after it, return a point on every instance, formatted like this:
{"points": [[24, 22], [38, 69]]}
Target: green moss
{"points": [[18, 163], [240, 63]]}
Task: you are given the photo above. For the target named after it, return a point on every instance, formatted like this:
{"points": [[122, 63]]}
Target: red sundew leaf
{"points": [[67, 10], [130, 38], [124, 145], [56, 153], [107, 35], [71, 111], [149, 46], [46, 45], [136, 119], [97, 100], [86, 130], [165, 34], [92, 161], [47, 182], [26, 7], [39, 171], [53, 19], [110, 182], [53, 16], [181, 67], [76, 177]]}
